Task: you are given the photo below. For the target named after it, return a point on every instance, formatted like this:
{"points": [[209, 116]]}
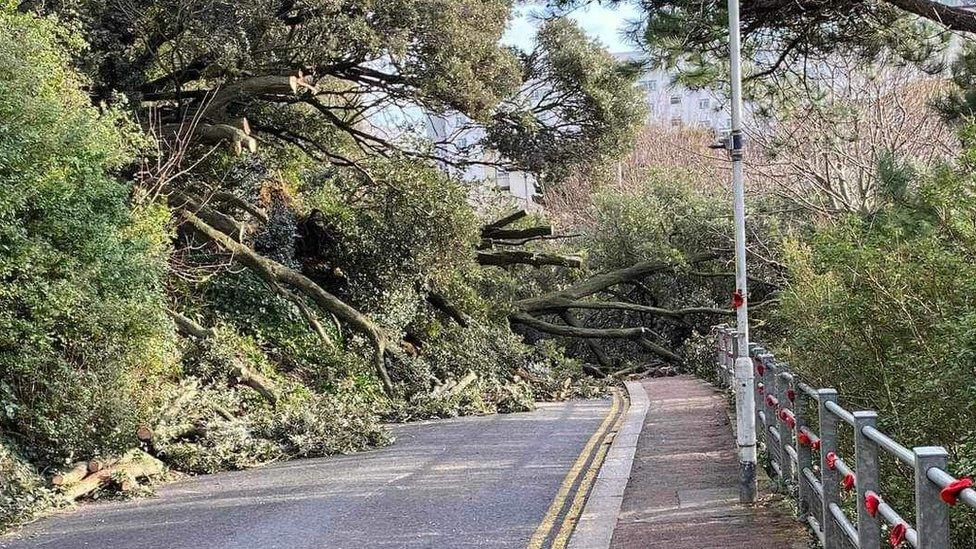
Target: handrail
{"points": [[943, 479], [889, 444], [810, 460], [836, 409]]}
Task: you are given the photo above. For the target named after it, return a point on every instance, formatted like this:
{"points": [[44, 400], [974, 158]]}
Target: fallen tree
{"points": [[278, 276], [240, 372], [123, 471], [581, 296]]}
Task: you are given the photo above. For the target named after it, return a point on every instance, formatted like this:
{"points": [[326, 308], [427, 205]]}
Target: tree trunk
{"points": [[537, 259], [274, 274], [134, 463], [601, 356]]}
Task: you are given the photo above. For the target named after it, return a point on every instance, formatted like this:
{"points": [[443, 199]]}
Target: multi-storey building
{"points": [[675, 105]]}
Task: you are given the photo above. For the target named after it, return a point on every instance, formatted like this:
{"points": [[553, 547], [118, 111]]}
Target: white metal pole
{"points": [[745, 402]]}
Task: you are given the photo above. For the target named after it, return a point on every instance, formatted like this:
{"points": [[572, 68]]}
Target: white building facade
{"points": [[674, 105]]}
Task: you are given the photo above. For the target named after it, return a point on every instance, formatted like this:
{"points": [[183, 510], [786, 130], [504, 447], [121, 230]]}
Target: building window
{"points": [[704, 103], [675, 122], [650, 85], [675, 99]]}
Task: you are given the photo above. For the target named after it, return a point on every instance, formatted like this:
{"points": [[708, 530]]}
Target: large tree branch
{"points": [[562, 303], [442, 304], [537, 259], [601, 356], [275, 274], [511, 234], [603, 281], [244, 374], [575, 331], [504, 221], [955, 18], [559, 303], [636, 334]]}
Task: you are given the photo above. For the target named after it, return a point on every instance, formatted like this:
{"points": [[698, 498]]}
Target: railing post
{"points": [[803, 453], [757, 380], [866, 471], [833, 536], [785, 432], [767, 361], [755, 351], [721, 353], [931, 514]]}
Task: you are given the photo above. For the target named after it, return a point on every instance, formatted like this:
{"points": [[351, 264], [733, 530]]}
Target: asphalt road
{"points": [[468, 482]]}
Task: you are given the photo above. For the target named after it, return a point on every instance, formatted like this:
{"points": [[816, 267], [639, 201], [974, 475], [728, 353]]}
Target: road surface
{"points": [[494, 481]]}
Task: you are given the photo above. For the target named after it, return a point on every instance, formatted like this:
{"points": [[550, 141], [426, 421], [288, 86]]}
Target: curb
{"points": [[599, 517]]}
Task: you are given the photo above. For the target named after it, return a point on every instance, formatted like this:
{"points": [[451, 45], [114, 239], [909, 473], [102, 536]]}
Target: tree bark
{"points": [[955, 18], [603, 281], [243, 374], [559, 303], [71, 475], [134, 463], [516, 234], [572, 331], [636, 334], [504, 221], [441, 303], [520, 257]]}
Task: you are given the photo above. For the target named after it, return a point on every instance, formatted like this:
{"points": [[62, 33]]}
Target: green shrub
{"points": [[84, 340], [23, 493], [882, 309]]}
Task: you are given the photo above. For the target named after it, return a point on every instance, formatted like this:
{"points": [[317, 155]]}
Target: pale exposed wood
{"points": [[70, 475], [134, 463]]}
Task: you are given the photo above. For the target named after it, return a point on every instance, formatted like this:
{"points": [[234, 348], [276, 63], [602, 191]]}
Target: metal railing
{"points": [[804, 451]]}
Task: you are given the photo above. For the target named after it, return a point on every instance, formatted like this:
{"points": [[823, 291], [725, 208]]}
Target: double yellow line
{"points": [[593, 453]]}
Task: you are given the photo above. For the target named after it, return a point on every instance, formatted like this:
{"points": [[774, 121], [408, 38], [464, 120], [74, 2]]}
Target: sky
{"points": [[602, 23]]}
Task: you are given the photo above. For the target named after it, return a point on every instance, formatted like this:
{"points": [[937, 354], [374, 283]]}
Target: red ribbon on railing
{"points": [[950, 494], [760, 388], [831, 460], [871, 503], [803, 438], [791, 394], [737, 299], [849, 482], [897, 534], [787, 417]]}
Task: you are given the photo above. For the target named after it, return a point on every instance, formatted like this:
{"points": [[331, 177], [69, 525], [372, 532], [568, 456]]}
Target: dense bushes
{"points": [[881, 308], [84, 340]]}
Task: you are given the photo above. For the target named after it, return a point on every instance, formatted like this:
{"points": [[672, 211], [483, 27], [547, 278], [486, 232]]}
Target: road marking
{"points": [[549, 521], [572, 516]]}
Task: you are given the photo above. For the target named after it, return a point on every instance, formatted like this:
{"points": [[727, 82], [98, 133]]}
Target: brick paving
{"points": [[682, 492]]}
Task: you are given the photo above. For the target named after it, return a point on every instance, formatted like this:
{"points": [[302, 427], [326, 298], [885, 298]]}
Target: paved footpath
{"points": [[491, 481], [682, 492]]}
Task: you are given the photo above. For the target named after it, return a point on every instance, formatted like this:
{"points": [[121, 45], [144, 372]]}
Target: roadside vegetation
{"points": [[213, 257]]}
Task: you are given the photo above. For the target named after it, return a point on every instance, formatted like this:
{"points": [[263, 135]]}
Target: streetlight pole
{"points": [[745, 402]]}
